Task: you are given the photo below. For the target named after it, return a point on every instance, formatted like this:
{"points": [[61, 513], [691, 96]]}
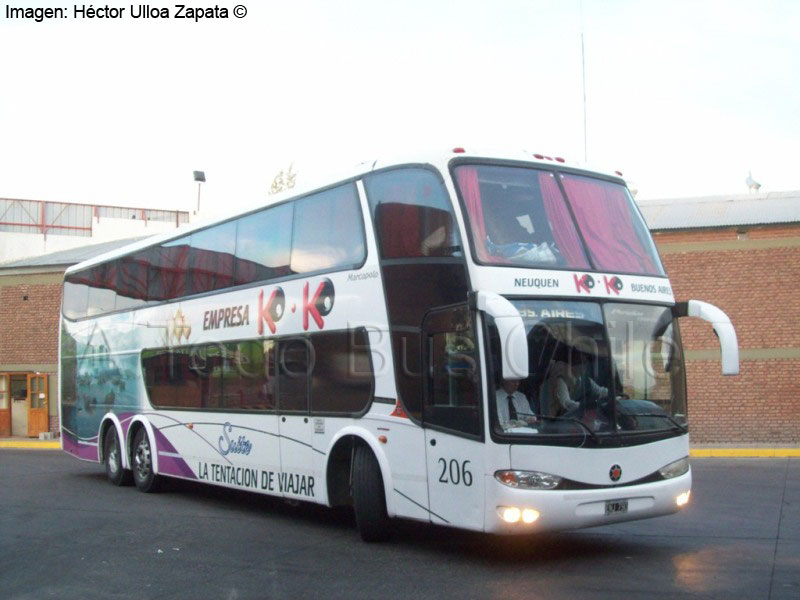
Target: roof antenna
{"points": [[583, 78]]}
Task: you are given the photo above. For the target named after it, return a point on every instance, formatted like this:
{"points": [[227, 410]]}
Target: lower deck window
{"points": [[330, 372]]}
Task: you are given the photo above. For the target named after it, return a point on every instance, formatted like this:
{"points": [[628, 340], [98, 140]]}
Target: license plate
{"points": [[616, 507]]}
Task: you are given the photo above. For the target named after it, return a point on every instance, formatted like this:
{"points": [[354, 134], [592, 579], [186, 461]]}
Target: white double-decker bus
{"points": [[481, 342]]}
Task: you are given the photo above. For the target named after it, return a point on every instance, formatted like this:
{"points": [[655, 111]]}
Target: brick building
{"points": [[30, 304], [741, 253], [38, 241]]}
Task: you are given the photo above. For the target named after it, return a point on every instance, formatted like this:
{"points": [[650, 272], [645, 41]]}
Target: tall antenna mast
{"points": [[583, 77]]}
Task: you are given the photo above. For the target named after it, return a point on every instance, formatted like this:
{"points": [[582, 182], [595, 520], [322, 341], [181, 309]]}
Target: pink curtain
{"points": [[471, 192], [604, 218], [564, 234]]}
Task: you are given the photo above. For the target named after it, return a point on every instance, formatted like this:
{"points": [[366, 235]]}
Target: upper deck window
{"points": [[412, 214], [319, 232], [518, 217], [328, 231], [614, 231]]}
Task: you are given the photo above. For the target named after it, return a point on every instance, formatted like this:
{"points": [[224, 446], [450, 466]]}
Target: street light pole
{"points": [[200, 178]]}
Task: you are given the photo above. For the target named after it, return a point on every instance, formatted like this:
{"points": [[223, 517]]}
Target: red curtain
{"points": [[133, 278], [604, 217], [175, 270], [564, 234], [399, 230], [471, 192]]}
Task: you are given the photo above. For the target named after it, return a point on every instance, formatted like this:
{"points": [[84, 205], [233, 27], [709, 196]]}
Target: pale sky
{"points": [[684, 97]]}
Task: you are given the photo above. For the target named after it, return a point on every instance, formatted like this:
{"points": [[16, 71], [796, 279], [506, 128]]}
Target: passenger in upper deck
{"points": [[514, 233]]}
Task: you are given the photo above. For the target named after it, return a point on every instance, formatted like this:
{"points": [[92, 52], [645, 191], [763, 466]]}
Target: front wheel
{"points": [[112, 457], [143, 475], [368, 497]]}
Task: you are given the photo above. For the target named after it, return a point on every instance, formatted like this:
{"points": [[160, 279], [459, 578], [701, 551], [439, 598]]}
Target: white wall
{"points": [[15, 246]]}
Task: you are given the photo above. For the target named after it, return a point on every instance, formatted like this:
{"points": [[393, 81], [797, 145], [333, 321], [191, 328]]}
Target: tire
{"points": [[112, 458], [144, 477], [368, 497]]}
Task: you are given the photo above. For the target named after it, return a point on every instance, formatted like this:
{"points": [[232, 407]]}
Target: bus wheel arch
{"points": [[340, 456], [355, 476]]}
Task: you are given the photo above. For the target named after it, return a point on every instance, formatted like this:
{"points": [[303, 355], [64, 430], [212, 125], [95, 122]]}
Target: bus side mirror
{"points": [[513, 341], [722, 327]]}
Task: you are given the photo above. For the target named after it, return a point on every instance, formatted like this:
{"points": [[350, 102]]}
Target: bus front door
{"points": [[452, 419], [455, 480]]}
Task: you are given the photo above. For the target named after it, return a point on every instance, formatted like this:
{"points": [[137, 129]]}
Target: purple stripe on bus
{"points": [[86, 452], [170, 465]]}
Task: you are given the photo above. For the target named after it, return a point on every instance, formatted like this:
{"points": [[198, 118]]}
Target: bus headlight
{"points": [[675, 469], [513, 514], [529, 480], [529, 515], [509, 514]]}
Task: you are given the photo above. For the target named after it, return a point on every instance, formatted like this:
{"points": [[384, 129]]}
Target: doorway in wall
{"points": [[23, 404]]}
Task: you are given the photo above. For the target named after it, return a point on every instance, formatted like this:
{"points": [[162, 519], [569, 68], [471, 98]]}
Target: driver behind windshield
{"points": [[571, 385], [513, 407]]}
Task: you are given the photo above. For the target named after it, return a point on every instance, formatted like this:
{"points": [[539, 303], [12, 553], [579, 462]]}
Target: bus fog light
{"points": [[531, 480], [529, 515], [682, 499], [509, 514], [675, 469]]}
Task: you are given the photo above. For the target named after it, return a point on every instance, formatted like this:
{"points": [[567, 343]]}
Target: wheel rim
{"points": [[113, 458], [142, 459]]}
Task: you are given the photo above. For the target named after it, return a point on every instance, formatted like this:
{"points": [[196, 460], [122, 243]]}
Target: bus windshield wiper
{"points": [[683, 428], [588, 429]]}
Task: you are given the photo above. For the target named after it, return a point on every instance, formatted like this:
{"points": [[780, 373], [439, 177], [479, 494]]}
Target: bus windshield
{"points": [[594, 370], [537, 218]]}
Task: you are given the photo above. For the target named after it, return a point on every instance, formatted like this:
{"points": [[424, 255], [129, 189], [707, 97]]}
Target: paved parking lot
{"points": [[66, 533]]}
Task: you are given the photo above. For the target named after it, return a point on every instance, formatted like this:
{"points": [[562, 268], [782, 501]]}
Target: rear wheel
{"points": [[143, 475], [112, 457], [368, 497]]}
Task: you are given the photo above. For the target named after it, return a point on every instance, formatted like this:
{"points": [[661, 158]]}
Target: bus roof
{"points": [[438, 159]]}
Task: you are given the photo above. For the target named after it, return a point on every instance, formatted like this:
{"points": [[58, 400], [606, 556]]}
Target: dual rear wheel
{"points": [[112, 457], [142, 473]]}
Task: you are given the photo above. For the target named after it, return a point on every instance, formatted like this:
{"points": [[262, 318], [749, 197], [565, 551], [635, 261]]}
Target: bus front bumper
{"points": [[517, 511]]}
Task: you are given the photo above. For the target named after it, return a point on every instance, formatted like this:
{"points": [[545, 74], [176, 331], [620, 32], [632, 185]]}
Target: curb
{"points": [[745, 453], [31, 444]]}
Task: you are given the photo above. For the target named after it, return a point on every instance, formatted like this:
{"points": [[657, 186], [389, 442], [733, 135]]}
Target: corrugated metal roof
{"points": [[722, 211], [64, 258]]}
